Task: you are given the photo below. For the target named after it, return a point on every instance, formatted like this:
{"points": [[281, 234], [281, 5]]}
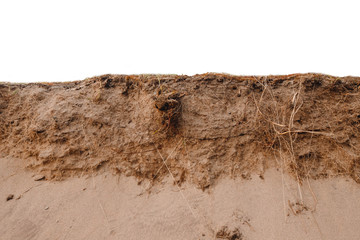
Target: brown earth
{"points": [[199, 127], [209, 156]]}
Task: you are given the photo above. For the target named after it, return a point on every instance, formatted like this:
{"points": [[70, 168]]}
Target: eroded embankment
{"points": [[202, 126]]}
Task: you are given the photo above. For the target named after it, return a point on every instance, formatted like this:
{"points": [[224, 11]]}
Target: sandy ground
{"points": [[113, 207]]}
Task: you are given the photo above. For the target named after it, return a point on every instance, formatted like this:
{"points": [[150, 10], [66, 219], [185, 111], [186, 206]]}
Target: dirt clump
{"points": [[169, 104], [9, 197], [198, 128], [225, 233]]}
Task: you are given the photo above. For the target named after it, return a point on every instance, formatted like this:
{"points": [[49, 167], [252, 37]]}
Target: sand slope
{"points": [[110, 207]]}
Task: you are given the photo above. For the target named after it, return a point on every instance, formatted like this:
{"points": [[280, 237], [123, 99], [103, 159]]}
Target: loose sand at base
{"points": [[112, 207]]}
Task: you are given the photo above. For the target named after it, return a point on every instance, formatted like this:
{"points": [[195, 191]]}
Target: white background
{"points": [[72, 40]]}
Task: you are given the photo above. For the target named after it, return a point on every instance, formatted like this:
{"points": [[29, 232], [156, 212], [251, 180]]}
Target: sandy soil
{"points": [[208, 156], [112, 207], [205, 126]]}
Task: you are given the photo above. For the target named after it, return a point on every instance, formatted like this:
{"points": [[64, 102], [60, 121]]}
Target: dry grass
{"points": [[297, 146]]}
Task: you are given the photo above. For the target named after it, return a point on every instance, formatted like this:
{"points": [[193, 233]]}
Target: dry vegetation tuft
{"points": [[306, 130]]}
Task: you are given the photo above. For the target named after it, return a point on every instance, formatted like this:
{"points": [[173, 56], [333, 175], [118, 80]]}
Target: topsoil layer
{"points": [[193, 128]]}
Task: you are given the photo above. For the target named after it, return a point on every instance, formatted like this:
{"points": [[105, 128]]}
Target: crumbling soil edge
{"points": [[197, 127]]}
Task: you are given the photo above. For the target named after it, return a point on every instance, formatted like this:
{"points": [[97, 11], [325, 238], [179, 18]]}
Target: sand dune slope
{"points": [[112, 207]]}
